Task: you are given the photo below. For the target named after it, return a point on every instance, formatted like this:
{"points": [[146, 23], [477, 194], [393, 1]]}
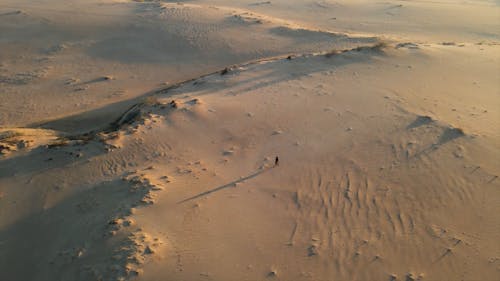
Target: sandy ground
{"points": [[138, 140]]}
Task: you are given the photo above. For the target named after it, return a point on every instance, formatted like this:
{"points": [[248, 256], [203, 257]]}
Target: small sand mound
{"points": [[420, 121], [129, 117], [245, 19], [24, 78], [379, 47], [407, 45], [194, 102], [17, 139], [449, 134], [332, 53]]}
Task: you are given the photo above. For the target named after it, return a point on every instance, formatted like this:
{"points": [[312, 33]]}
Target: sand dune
{"points": [[66, 51], [387, 134]]}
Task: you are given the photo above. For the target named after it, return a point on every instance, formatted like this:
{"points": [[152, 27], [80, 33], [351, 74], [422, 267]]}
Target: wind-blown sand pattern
{"points": [[138, 140]]}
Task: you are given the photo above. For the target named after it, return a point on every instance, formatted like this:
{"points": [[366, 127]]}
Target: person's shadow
{"points": [[226, 185]]}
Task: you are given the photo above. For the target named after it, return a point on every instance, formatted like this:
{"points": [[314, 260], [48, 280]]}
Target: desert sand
{"points": [[138, 140]]}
